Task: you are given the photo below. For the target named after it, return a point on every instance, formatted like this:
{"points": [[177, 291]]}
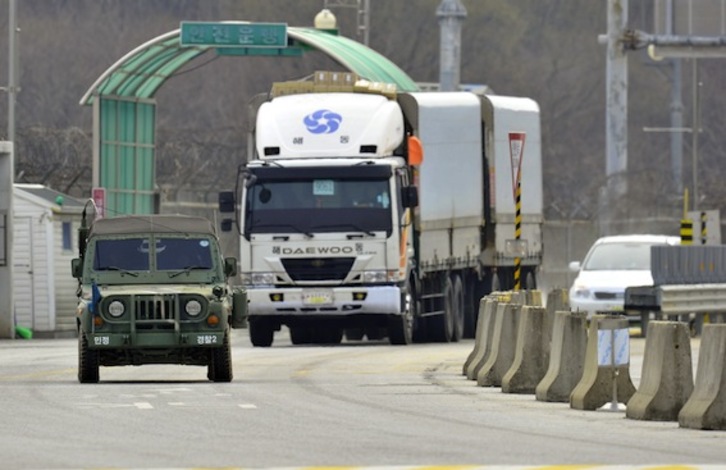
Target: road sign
{"points": [[99, 198], [516, 150], [233, 34]]}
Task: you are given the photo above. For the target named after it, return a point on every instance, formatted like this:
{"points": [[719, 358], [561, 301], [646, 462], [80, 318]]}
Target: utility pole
{"points": [[616, 117], [451, 14], [12, 74]]}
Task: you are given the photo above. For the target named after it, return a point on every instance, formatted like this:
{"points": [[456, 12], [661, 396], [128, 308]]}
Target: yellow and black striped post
{"points": [[686, 232], [704, 233], [518, 235]]}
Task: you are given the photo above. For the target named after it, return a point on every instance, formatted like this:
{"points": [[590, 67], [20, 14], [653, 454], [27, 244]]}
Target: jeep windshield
{"points": [[174, 254], [318, 203]]}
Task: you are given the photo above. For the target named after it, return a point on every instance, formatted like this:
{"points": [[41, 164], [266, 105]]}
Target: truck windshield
{"points": [[133, 254], [318, 205]]}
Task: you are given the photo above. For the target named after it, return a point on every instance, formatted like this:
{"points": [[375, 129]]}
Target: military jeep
{"points": [[153, 289]]}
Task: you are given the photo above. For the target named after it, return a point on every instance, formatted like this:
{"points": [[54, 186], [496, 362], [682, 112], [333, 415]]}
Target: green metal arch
{"points": [[124, 108], [141, 72]]}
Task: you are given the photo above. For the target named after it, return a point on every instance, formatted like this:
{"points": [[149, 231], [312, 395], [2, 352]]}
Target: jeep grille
{"points": [[156, 307]]}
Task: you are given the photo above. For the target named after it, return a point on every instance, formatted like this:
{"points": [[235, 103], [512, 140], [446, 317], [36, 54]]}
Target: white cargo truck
{"points": [[383, 214]]}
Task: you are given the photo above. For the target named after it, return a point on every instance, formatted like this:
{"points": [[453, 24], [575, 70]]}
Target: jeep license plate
{"points": [[317, 297]]}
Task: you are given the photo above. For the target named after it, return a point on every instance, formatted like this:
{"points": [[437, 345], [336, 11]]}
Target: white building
{"points": [[45, 239]]}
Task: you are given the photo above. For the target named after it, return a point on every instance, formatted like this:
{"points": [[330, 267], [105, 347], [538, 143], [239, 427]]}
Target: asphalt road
{"points": [[356, 404]]}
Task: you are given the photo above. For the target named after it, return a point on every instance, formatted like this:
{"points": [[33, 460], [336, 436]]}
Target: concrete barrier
{"points": [[667, 377], [567, 357], [706, 407], [529, 364], [483, 337], [504, 338], [606, 376]]}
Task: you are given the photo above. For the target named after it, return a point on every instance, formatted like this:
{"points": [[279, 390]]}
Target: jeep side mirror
{"points": [[230, 266], [76, 268]]}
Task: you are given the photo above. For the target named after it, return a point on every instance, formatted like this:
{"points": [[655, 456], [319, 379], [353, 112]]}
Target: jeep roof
{"points": [[152, 224]]}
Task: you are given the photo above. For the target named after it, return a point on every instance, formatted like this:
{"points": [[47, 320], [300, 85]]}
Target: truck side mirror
{"points": [[226, 201], [409, 196], [230, 266], [76, 268]]}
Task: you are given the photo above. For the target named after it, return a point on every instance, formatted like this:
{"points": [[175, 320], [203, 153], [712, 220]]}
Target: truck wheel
{"points": [[442, 326], [354, 334], [457, 304], [327, 335], [220, 365], [261, 333], [400, 329], [88, 361], [301, 335]]}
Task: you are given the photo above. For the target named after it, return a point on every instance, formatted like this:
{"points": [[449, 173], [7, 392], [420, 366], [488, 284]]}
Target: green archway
{"points": [[124, 109]]}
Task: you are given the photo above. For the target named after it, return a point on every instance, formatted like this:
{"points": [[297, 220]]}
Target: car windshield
{"points": [[619, 257]]}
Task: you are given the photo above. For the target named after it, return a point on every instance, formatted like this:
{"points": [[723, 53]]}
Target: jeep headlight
{"points": [[116, 308], [193, 308]]}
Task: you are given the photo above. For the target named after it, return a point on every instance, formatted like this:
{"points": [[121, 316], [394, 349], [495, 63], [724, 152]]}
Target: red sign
{"points": [[516, 151], [99, 198]]}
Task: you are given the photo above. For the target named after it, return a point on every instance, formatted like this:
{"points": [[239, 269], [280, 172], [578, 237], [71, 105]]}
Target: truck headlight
{"points": [[116, 308], [372, 277], [259, 279], [193, 308]]}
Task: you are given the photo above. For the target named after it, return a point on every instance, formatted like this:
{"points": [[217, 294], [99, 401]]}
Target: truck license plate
{"points": [[317, 297]]}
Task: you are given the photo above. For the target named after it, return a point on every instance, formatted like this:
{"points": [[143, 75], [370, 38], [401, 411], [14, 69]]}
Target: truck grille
{"points": [[156, 307], [317, 269]]}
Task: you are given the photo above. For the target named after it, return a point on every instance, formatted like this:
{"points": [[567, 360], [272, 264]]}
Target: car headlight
{"points": [[193, 308], [580, 292], [116, 308]]}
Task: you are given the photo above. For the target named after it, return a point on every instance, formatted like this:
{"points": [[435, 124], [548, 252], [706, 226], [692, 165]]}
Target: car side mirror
{"points": [[574, 266]]}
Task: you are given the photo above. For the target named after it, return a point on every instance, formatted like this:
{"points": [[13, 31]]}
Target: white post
{"points": [[7, 327]]}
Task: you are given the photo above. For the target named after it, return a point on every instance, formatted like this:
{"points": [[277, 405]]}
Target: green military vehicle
{"points": [[153, 289]]}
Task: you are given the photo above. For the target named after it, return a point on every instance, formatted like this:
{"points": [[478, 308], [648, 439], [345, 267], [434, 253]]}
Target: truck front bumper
{"points": [[335, 301]]}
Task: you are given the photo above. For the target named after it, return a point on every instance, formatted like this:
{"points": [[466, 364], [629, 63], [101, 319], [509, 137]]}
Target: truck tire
{"points": [[220, 364], [327, 335], [441, 327], [354, 334], [261, 333], [88, 361], [400, 327], [301, 335]]}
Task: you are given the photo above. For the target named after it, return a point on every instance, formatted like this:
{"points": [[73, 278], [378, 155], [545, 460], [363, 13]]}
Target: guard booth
{"points": [[124, 107]]}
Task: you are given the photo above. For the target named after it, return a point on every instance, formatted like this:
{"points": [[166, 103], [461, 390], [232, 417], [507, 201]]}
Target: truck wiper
{"points": [[297, 229], [124, 271], [353, 226], [187, 270]]}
